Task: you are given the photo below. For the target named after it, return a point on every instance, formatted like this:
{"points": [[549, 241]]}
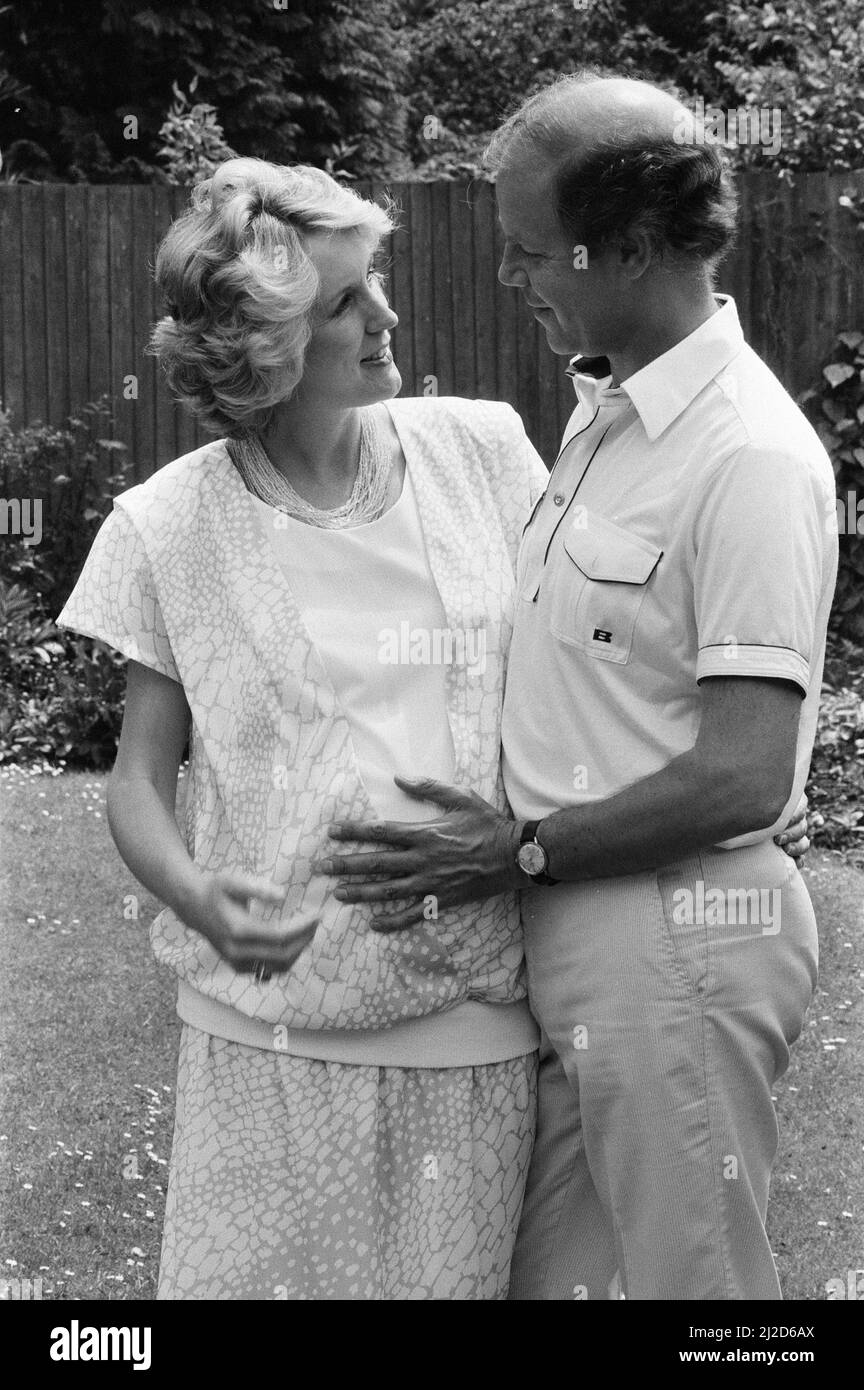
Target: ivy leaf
{"points": [[851, 340], [834, 411], [837, 372]]}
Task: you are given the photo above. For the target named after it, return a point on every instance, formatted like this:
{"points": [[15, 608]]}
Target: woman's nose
{"points": [[387, 318]]}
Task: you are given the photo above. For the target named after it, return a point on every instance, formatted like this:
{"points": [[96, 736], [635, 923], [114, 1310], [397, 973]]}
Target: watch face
{"points": [[532, 858]]}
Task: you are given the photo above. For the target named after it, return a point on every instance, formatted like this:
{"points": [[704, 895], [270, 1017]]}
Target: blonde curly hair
{"points": [[240, 286]]}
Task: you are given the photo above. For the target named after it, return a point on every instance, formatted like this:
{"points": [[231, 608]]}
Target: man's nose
{"points": [[511, 274]]}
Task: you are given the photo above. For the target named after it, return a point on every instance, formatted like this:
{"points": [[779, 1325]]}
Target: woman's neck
{"points": [[316, 450]]}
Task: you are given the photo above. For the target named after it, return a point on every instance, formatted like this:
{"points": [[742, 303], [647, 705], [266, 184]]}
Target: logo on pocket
{"points": [[601, 635]]}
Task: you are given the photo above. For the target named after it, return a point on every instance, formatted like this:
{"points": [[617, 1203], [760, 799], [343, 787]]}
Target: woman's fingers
{"points": [[247, 948], [240, 885]]}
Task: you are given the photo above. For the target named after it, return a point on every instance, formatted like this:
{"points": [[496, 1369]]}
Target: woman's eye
{"points": [[374, 277]]}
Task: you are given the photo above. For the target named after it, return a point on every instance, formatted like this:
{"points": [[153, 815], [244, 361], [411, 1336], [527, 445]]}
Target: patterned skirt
{"points": [[293, 1178]]}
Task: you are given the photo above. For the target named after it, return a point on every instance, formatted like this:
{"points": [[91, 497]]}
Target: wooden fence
{"points": [[77, 300]]}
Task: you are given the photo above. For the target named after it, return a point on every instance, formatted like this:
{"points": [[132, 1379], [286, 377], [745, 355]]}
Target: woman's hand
{"points": [[221, 913], [794, 840]]}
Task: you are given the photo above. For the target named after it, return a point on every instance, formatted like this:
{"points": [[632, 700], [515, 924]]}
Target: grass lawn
{"points": [[89, 1042]]}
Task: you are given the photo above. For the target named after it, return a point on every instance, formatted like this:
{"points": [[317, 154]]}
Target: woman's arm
{"points": [[141, 797]]}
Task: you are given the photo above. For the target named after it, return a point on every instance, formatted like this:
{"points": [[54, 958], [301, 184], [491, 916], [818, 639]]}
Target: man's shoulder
{"points": [[760, 418]]}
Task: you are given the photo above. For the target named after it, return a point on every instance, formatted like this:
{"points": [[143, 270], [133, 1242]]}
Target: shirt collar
{"points": [[662, 389]]}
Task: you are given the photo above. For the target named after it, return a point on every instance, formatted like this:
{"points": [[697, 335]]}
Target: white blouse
{"points": [[368, 598]]}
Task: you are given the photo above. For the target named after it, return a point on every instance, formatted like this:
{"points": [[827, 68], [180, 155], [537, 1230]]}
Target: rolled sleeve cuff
{"points": [[734, 659]]}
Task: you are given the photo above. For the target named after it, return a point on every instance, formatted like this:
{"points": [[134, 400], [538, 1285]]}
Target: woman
{"points": [[355, 1113], [322, 599]]}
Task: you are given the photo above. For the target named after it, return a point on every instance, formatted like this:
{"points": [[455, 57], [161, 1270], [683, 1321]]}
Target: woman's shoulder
{"points": [[172, 489], [481, 417], [489, 432]]}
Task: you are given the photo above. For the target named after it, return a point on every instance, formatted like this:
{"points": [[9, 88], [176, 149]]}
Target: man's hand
{"points": [[469, 853], [794, 839]]}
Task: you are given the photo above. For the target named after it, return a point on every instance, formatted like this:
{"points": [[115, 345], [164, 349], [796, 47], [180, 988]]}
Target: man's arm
{"points": [[736, 778]]}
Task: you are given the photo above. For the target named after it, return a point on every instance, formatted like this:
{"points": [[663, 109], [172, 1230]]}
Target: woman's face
{"points": [[351, 323]]}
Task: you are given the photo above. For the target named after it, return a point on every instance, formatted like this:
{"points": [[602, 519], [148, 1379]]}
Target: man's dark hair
{"points": [[680, 196], [631, 179]]}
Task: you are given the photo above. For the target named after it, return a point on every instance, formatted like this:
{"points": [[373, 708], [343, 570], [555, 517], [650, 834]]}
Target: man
{"points": [[674, 586]]}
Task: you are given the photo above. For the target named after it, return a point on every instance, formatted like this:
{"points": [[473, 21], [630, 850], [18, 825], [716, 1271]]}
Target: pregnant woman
{"points": [[320, 600]]}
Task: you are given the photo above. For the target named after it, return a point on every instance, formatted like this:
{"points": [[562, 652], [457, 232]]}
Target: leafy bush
{"points": [[808, 61], [193, 143], [61, 695], [836, 409], [836, 786], [74, 473]]}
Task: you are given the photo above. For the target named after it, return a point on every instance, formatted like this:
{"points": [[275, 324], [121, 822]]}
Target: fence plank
{"points": [[441, 272], [422, 246], [400, 294], [57, 345], [485, 289], [166, 411], [462, 322], [34, 345], [12, 306], [98, 293], [189, 435], [506, 336], [144, 424], [78, 323]]}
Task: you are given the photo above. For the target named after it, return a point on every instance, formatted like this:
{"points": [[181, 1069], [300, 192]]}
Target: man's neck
{"points": [[658, 332]]}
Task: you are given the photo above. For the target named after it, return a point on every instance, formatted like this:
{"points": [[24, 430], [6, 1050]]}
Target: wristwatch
{"points": [[532, 857]]}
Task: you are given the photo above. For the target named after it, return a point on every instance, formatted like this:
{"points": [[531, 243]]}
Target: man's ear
{"points": [[636, 252]]}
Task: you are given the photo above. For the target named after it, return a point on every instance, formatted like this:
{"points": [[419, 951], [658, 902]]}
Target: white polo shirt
{"points": [[688, 530]]}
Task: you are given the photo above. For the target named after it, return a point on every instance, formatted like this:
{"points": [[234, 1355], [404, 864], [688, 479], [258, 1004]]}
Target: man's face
{"points": [[580, 309]]}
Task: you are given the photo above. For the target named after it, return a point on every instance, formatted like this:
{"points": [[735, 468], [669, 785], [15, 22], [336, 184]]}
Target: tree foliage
{"points": [[370, 87], [289, 80], [474, 60]]}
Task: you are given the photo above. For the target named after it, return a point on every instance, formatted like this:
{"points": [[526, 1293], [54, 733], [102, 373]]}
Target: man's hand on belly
{"points": [[466, 854]]}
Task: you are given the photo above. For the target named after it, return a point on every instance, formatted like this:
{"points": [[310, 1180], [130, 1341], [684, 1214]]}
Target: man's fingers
{"points": [[383, 892], [364, 864], [427, 789], [388, 831], [799, 848]]}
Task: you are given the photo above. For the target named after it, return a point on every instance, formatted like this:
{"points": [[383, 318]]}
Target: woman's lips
{"points": [[381, 359]]}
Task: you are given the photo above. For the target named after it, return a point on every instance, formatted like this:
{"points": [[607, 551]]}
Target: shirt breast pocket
{"points": [[600, 587]]}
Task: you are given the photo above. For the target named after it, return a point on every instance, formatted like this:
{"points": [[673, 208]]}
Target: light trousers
{"points": [[669, 1001]]}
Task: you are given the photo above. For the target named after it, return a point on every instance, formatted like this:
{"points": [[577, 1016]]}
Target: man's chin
{"points": [[557, 340], [556, 337]]}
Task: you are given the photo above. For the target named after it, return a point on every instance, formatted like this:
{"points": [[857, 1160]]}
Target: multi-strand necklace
{"points": [[368, 494]]}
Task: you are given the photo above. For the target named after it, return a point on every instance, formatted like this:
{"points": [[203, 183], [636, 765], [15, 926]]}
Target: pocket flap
{"points": [[605, 551]]}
